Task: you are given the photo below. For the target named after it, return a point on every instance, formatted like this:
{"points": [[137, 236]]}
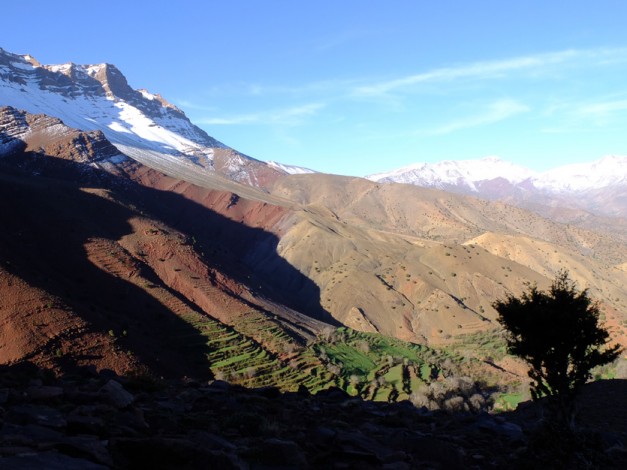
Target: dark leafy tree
{"points": [[558, 334]]}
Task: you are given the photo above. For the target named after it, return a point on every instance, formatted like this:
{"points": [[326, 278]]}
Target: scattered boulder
{"points": [[489, 424], [48, 461], [119, 397], [44, 392], [36, 414]]}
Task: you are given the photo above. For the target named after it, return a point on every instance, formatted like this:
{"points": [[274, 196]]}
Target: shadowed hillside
{"points": [[77, 310], [90, 278]]}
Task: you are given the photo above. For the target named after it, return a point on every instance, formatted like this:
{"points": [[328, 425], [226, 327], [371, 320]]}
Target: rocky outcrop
{"points": [[51, 137], [38, 144]]}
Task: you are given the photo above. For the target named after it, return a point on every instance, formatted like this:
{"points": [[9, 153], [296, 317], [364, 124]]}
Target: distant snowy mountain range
{"points": [[457, 173], [472, 174], [140, 124], [599, 187]]}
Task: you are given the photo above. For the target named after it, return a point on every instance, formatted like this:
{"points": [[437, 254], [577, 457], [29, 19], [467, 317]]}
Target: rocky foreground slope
{"points": [[100, 421]]}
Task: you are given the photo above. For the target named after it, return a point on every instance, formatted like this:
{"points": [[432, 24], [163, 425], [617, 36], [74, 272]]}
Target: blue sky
{"points": [[359, 87]]}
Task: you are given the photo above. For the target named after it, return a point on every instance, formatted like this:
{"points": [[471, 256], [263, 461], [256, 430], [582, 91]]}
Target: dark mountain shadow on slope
{"points": [[248, 255], [225, 244], [45, 226], [235, 248]]}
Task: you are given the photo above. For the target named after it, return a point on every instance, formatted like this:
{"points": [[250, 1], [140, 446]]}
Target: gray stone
{"points": [[86, 446], [79, 424], [48, 461], [430, 451], [29, 433], [119, 397], [323, 435], [211, 441], [277, 452], [44, 392], [502, 428], [35, 414]]}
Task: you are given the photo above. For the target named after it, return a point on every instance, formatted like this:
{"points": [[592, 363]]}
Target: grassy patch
{"points": [[482, 345], [508, 401]]}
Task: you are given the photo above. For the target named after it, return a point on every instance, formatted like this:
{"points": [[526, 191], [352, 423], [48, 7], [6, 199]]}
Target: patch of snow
{"points": [[6, 147], [290, 169], [456, 172], [117, 158], [92, 70], [117, 127], [59, 68], [147, 95], [607, 171], [22, 66]]}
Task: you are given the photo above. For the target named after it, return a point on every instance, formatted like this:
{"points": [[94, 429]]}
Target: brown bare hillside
{"points": [[73, 304], [425, 265], [438, 215], [89, 278]]}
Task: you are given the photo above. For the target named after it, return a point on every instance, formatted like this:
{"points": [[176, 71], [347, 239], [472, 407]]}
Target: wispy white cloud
{"points": [[496, 69], [287, 116], [586, 116], [339, 39], [387, 92], [568, 130], [495, 112], [187, 104], [322, 87], [230, 121], [603, 109]]}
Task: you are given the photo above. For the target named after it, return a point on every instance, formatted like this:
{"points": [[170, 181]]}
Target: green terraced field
{"points": [[242, 359], [257, 352], [482, 345]]}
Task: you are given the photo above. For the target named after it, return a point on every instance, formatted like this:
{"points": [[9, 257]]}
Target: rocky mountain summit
{"points": [[140, 124]]}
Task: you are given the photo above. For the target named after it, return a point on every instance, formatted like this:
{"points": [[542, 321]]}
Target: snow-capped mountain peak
{"points": [[599, 187], [140, 124], [465, 173], [607, 171]]}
